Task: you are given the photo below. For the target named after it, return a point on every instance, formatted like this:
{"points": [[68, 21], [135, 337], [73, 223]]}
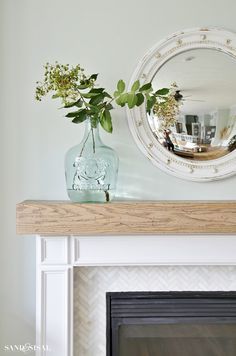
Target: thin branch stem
{"points": [[93, 140], [81, 152], [84, 101]]}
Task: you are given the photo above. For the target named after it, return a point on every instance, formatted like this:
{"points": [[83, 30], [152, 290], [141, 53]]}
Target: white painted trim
{"points": [[201, 171], [54, 299], [54, 280], [48, 256], [154, 250]]}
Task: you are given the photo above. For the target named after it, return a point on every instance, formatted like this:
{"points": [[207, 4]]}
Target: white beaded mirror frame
{"points": [[201, 171]]}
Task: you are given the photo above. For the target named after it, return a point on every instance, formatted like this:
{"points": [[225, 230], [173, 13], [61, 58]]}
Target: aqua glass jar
{"points": [[91, 169]]}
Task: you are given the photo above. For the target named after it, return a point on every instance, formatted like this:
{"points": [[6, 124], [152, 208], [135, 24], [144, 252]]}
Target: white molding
{"points": [[154, 250], [54, 299], [201, 171], [55, 250]]}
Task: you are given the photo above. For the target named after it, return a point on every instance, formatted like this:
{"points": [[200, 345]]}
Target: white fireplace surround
{"points": [[58, 256]]}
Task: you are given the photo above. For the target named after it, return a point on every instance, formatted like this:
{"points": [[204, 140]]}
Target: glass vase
{"points": [[91, 169]]}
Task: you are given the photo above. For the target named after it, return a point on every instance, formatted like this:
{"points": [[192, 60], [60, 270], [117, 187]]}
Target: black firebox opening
{"points": [[171, 324]]}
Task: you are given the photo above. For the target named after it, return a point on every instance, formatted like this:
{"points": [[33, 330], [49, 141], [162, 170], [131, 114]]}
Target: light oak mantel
{"points": [[126, 218]]}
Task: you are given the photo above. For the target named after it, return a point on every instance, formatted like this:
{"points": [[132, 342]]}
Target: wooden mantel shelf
{"points": [[126, 217]]}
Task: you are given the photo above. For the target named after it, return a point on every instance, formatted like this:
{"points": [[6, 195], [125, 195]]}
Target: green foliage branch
{"points": [[79, 92]]}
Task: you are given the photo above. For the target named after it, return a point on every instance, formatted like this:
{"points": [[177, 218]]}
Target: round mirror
{"points": [[192, 133], [203, 123]]}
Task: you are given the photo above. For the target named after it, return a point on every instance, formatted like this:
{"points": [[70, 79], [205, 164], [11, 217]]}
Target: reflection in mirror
{"points": [[199, 122]]}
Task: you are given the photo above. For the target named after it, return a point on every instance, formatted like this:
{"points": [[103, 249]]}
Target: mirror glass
{"points": [[203, 94]]}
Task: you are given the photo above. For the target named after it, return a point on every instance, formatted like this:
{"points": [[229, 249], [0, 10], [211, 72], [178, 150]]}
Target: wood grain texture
{"points": [[126, 217]]}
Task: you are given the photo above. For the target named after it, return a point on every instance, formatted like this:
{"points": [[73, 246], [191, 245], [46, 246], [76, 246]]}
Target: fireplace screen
{"points": [[171, 324]]}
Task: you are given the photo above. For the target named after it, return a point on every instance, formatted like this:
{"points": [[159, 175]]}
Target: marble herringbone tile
{"points": [[92, 283]]}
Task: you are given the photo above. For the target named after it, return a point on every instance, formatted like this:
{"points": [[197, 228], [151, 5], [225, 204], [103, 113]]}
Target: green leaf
{"points": [[107, 95], [122, 99], [106, 121], [69, 105], [83, 86], [105, 105], [73, 114], [97, 90], [116, 94], [89, 95], [147, 94], [80, 117], [76, 113], [118, 101], [132, 100], [121, 86], [135, 86], [92, 112], [150, 103], [93, 76], [77, 103], [92, 109], [145, 87], [163, 91], [140, 99], [97, 99]]}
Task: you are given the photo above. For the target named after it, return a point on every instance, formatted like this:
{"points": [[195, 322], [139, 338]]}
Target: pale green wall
{"points": [[105, 36]]}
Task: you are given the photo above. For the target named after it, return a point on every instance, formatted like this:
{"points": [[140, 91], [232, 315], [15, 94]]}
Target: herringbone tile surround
{"points": [[91, 284]]}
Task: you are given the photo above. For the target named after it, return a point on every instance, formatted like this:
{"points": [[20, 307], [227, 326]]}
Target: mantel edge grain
{"points": [[62, 218]]}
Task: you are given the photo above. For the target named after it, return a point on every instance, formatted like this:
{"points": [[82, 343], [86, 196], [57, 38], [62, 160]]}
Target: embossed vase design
{"points": [[91, 169]]}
